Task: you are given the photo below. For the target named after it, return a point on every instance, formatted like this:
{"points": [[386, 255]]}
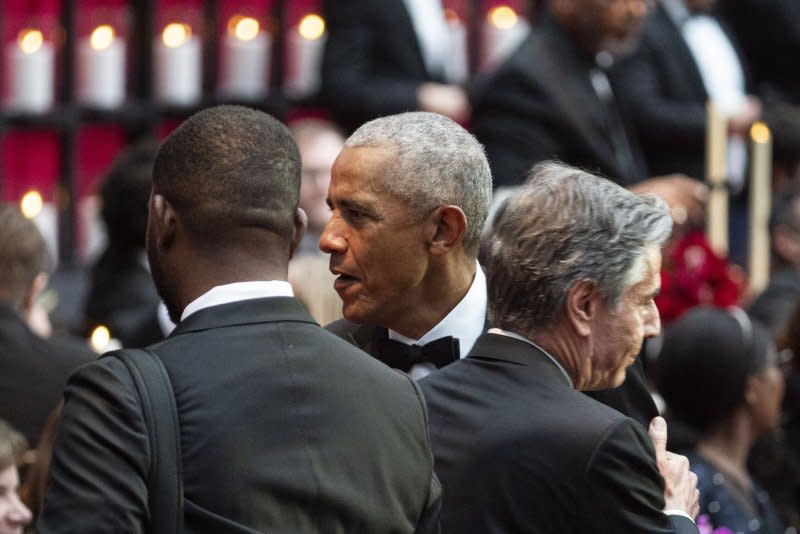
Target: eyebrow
{"points": [[355, 205]]}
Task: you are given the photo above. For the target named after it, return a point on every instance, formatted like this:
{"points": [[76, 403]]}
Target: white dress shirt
{"points": [[235, 292], [466, 322]]}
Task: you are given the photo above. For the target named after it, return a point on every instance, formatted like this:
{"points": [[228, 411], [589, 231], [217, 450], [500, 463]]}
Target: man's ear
{"points": [[300, 225], [164, 218], [449, 226], [582, 305]]}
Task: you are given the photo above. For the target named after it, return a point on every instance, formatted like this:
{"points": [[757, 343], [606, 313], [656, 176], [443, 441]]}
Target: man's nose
{"points": [[332, 240]]}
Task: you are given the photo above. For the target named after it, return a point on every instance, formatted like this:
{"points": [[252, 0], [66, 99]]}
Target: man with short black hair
{"points": [[283, 427]]}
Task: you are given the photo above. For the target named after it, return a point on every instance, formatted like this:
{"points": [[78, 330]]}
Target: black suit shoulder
{"points": [[306, 432], [562, 462]]}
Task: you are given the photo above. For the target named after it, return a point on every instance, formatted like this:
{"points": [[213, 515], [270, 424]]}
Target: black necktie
{"points": [[397, 355]]}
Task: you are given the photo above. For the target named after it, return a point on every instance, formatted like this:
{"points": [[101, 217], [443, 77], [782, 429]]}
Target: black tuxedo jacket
{"points": [[541, 105], [372, 64], [33, 372], [518, 450], [284, 428], [632, 398], [662, 91]]}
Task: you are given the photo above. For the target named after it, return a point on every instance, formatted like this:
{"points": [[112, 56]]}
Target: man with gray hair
{"points": [[572, 267], [409, 196]]}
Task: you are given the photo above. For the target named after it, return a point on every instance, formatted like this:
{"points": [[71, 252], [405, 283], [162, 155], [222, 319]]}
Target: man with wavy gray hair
{"points": [[409, 196], [572, 266]]}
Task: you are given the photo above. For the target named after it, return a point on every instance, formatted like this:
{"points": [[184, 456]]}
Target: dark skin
{"points": [[183, 271]]}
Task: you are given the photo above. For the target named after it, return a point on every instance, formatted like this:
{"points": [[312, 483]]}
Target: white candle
{"points": [[101, 69], [457, 66], [716, 171], [503, 31], [245, 60], [30, 71], [305, 45], [760, 200], [178, 55]]}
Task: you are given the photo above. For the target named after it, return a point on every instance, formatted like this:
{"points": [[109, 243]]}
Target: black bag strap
{"points": [[165, 478]]}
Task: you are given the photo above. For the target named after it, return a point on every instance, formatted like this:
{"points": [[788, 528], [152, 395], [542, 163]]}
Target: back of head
{"points": [[563, 226], [124, 195], [12, 446], [434, 162], [784, 122], [227, 170], [706, 358], [23, 255]]}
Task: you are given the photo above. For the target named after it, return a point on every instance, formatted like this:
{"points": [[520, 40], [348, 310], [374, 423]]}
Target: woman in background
{"points": [[718, 374]]}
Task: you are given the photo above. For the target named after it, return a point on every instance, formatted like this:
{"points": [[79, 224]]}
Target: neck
{"points": [[728, 446], [204, 274], [444, 287], [565, 350]]}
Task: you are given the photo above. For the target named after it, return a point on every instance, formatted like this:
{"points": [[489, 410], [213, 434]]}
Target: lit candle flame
{"points": [[30, 41], [100, 338], [31, 204], [312, 27], [175, 34], [244, 28], [759, 132], [101, 37], [503, 17]]}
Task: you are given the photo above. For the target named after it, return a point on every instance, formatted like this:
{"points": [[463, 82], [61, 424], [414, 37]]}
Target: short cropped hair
{"points": [[230, 167], [23, 254], [435, 162], [565, 225], [12, 446]]}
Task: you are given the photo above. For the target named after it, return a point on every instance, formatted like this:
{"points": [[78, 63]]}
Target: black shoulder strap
{"points": [[165, 479]]}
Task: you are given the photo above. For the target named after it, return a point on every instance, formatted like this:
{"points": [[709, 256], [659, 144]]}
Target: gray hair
{"points": [[563, 226], [436, 162]]}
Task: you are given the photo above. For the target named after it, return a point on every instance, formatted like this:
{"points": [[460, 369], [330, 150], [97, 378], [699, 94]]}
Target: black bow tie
{"points": [[397, 355]]}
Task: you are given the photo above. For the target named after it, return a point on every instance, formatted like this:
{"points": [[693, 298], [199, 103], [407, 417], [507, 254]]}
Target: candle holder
{"points": [[245, 52], [30, 55], [306, 35], [178, 50], [100, 51]]}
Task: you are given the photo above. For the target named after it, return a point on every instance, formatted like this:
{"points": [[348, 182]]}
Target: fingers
{"points": [[658, 434]]}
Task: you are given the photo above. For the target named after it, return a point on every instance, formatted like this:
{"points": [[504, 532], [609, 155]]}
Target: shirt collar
{"points": [[514, 335], [237, 291], [465, 322]]}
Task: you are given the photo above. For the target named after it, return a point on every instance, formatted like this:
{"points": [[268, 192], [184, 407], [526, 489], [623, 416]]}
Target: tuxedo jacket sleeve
{"points": [[614, 501]]}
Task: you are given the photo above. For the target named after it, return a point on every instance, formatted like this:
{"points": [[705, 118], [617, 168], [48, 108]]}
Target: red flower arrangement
{"points": [[693, 275]]}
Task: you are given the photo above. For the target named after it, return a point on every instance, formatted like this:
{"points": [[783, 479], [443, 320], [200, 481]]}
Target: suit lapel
{"points": [[669, 37], [578, 102], [406, 25]]}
